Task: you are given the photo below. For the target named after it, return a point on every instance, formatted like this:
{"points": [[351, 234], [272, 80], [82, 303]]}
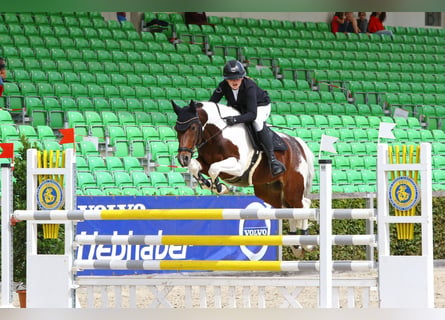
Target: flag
{"points": [[327, 143], [385, 130], [8, 150], [68, 136]]}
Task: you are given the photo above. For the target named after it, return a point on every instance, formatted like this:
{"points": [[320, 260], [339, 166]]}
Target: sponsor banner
{"points": [[173, 227]]}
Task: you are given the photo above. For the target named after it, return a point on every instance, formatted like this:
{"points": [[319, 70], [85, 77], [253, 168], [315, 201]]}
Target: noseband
{"points": [[188, 123], [200, 143]]}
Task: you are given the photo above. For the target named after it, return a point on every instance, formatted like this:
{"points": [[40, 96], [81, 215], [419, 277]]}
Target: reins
{"points": [[200, 145], [214, 135]]}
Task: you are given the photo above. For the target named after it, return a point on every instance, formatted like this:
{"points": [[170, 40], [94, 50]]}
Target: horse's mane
{"points": [[217, 111]]}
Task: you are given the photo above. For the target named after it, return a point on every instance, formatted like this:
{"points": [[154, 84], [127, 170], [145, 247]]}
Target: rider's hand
{"points": [[230, 120]]}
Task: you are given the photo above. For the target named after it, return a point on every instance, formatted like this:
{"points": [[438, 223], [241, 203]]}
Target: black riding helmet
{"points": [[233, 70]]}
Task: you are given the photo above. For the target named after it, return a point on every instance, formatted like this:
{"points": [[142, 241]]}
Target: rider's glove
{"points": [[230, 120]]}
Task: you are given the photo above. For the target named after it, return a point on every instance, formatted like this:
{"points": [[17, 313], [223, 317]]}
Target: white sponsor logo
{"points": [[124, 206], [254, 231], [131, 252]]}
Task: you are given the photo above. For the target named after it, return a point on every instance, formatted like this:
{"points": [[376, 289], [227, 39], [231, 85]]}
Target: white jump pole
{"points": [[405, 281], [7, 273], [325, 221]]}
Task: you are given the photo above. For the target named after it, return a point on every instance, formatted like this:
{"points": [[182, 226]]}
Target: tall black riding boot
{"points": [[276, 167]]}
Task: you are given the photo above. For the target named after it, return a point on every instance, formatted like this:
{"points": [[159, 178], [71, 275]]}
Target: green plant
{"points": [[401, 247], [47, 246]]}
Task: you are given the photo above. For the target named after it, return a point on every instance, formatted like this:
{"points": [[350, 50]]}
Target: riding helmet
{"points": [[233, 70]]}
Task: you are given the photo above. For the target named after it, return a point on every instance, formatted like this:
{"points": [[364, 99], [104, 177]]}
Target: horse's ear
{"points": [[192, 105], [176, 108]]}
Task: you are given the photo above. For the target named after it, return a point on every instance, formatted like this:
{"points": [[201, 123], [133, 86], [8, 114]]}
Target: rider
{"points": [[243, 94]]}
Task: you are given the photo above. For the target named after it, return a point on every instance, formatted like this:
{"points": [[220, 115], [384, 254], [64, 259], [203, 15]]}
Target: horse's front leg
{"points": [[230, 166], [195, 169]]}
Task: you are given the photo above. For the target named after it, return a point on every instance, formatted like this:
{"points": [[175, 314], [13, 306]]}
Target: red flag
{"points": [[68, 136], [8, 150]]}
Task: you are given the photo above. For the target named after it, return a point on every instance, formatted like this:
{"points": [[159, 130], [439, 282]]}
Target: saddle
{"points": [[278, 145]]}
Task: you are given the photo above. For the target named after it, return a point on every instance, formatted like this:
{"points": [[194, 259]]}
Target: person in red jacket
{"points": [[338, 23], [375, 24]]}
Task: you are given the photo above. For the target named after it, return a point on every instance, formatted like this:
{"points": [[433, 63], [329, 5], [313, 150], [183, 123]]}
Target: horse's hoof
{"points": [[309, 248], [220, 188], [297, 251], [205, 184]]}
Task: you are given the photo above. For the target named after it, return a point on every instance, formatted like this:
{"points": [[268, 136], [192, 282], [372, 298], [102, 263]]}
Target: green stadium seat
{"points": [[96, 163], [85, 180], [132, 164], [88, 148], [45, 132], [123, 179], [158, 179]]}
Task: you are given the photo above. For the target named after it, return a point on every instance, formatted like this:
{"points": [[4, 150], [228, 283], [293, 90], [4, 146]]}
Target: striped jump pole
{"points": [[279, 240], [190, 214], [220, 265]]}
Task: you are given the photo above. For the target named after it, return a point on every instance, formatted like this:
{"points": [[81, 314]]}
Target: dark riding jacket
{"points": [[250, 96]]}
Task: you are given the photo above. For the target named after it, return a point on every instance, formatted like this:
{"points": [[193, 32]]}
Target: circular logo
{"points": [[254, 227], [403, 193], [50, 195]]}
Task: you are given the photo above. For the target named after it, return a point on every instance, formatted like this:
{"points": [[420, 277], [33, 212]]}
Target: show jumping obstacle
{"points": [[404, 281]]}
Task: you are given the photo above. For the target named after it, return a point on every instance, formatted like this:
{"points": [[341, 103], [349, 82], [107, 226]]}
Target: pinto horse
{"points": [[227, 153]]}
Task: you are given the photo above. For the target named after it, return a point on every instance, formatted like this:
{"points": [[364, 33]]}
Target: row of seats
{"points": [[156, 62], [126, 41], [119, 90], [293, 121], [53, 18], [214, 42], [184, 80], [221, 29], [312, 26], [341, 55], [117, 181], [154, 53], [395, 87]]}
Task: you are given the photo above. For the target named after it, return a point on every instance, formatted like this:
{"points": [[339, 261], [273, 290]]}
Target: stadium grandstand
{"points": [[113, 81]]}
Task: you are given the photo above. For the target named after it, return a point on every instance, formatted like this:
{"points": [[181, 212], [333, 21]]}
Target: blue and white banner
{"points": [[173, 227]]}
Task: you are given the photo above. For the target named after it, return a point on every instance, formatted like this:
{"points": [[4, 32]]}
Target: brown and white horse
{"points": [[227, 153]]}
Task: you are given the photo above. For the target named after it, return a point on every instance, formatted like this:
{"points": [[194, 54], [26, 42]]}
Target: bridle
{"points": [[189, 122], [200, 141]]}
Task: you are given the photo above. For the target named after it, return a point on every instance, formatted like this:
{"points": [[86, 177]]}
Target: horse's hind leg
{"points": [[294, 197]]}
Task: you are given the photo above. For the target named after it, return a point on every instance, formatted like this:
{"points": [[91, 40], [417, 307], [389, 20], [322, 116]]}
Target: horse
{"points": [[227, 153]]}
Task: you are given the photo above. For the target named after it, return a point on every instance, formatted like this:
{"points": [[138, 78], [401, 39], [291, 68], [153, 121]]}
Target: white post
{"points": [[7, 274], [325, 220], [405, 281], [50, 277]]}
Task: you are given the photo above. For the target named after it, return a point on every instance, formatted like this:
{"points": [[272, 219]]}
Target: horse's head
{"points": [[189, 129]]}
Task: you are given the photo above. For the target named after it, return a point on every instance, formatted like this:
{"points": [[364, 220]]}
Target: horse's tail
{"points": [[310, 166]]}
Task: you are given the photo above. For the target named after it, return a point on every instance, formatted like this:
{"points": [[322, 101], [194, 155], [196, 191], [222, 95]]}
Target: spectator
{"points": [[362, 22], [121, 16], [375, 24], [252, 102], [351, 23], [2, 75], [338, 23]]}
